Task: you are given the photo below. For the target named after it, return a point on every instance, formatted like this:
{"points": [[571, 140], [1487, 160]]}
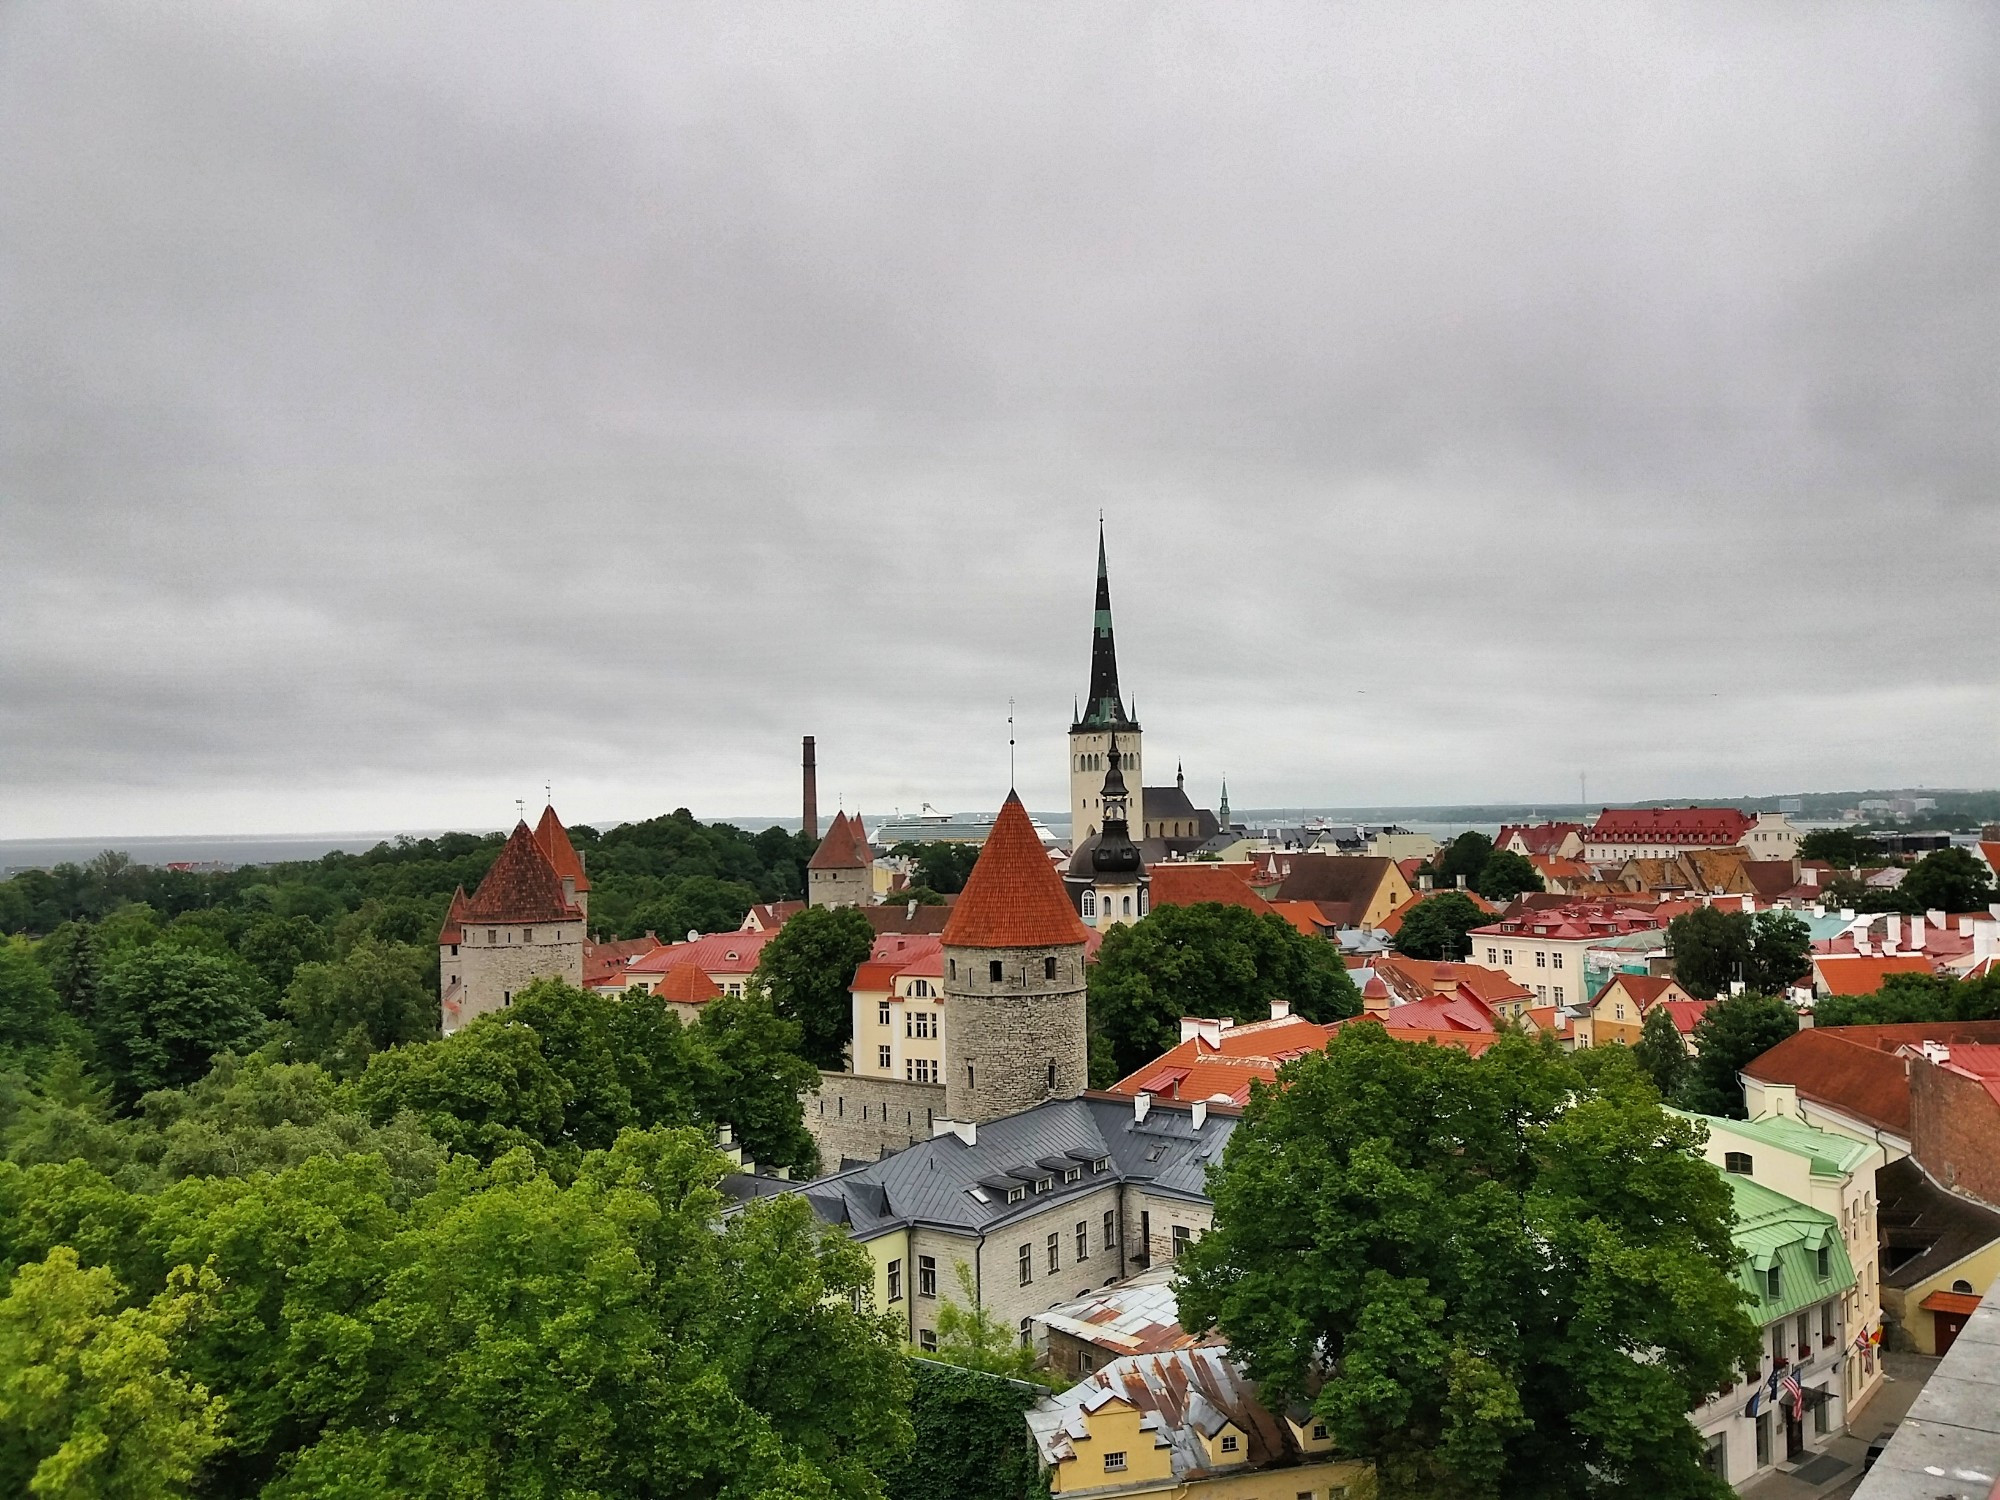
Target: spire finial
{"points": [[1010, 744]]}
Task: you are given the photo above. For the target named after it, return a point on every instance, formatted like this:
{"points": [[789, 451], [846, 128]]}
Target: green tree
{"points": [[968, 1438], [70, 955], [943, 865], [1948, 880], [1465, 855], [1533, 1312], [1436, 927], [970, 1336], [750, 1074], [1506, 875], [91, 1407], [30, 1010], [163, 1014], [1842, 848], [1730, 1034], [807, 970], [1906, 998], [1711, 949], [1780, 952], [379, 995], [1207, 959], [483, 1090], [1662, 1054], [276, 946]]}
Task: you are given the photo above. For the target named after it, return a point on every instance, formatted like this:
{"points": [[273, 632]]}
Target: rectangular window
{"points": [[1055, 1253], [1025, 1257], [993, 971], [1110, 1229], [1146, 1234], [1507, 955], [1559, 994], [1805, 1336], [927, 1340], [1763, 1438], [1778, 1345], [1102, 1164], [1541, 959], [1737, 1162], [1114, 1463], [1319, 1432], [1083, 1239], [527, 934], [1016, 1194], [1826, 1322], [1231, 1442], [1492, 957], [492, 936], [1825, 1261], [883, 1056], [1771, 1282], [1072, 1174], [1183, 1237], [895, 1281], [926, 1276], [882, 1013]]}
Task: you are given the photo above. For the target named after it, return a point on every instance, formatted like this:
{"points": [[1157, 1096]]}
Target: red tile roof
{"points": [[769, 917], [1864, 976], [1198, 1069], [896, 917], [843, 848], [522, 886], [1577, 920], [1721, 826], [1685, 1013], [1643, 988], [1393, 923], [554, 839], [717, 953], [1541, 838], [1855, 1069], [1415, 978], [687, 984], [1304, 915], [1013, 898], [453, 930], [607, 961], [1189, 884]]}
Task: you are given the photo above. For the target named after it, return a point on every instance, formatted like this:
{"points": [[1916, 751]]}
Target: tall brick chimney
{"points": [[812, 792]]}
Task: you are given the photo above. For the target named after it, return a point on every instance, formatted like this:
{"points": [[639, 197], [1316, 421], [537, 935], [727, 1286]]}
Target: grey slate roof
{"points": [[932, 1183], [1918, 1216]]}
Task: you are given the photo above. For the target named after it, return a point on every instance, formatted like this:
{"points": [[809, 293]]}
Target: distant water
{"points": [[261, 849]]}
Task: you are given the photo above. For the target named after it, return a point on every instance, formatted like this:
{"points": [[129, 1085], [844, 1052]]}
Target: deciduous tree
{"points": [[162, 1015], [1711, 949], [1436, 927], [1506, 875], [379, 995], [1730, 1034], [1662, 1053], [807, 970], [1947, 880], [1532, 1312]]}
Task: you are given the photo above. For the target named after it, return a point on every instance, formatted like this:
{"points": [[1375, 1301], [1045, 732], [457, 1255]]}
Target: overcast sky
{"points": [[404, 405]]}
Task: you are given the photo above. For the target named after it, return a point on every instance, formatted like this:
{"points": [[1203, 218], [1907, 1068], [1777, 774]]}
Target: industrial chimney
{"points": [[812, 792]]}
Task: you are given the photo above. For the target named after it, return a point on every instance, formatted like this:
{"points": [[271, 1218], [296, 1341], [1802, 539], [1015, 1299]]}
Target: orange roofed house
{"points": [[1618, 1011], [525, 922]]}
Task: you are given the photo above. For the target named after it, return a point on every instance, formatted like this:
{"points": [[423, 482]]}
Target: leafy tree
{"points": [[970, 1336], [749, 1073], [807, 970], [1946, 880], [1780, 952], [483, 1091], [162, 1014], [90, 1404], [30, 1010], [1730, 1034], [1842, 848], [276, 946], [699, 903], [968, 1438], [1465, 855], [1207, 959], [379, 995], [1530, 1313], [943, 865], [1506, 875], [1711, 949], [1906, 998], [70, 956], [1662, 1054], [1436, 927]]}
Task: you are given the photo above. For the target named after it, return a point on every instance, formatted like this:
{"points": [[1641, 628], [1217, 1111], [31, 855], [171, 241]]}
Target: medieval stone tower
{"points": [[1101, 716], [525, 922], [842, 870], [1014, 1028]]}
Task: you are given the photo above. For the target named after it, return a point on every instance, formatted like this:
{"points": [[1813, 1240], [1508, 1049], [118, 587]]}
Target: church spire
{"points": [[1107, 708]]}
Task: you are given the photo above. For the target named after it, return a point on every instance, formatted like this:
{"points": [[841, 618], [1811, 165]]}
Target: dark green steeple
{"points": [[1104, 708]]}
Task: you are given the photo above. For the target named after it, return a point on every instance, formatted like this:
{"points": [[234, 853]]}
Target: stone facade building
{"points": [[525, 922], [1107, 878], [842, 869]]}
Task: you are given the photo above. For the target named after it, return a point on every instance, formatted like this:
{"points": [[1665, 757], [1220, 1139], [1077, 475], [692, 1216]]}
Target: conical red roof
{"points": [[1013, 898], [452, 932], [554, 839], [522, 886], [842, 848]]}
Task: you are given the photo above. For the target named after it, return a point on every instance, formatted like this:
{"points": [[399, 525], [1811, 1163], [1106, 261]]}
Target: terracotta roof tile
{"points": [[843, 848], [1855, 1068], [1864, 976], [554, 839], [1670, 825], [717, 953], [522, 886], [453, 930], [1013, 898], [1190, 884], [687, 984]]}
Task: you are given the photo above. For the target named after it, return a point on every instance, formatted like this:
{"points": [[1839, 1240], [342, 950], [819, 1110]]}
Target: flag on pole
{"points": [[1795, 1396]]}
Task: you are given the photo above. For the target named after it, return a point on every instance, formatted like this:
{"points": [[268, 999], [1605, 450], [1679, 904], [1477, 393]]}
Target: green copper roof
{"points": [[1832, 1155], [1773, 1230]]}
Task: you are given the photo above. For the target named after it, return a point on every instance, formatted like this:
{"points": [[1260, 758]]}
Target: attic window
{"points": [[1154, 1153], [1102, 1163], [1737, 1162], [1016, 1194], [1771, 1282], [1043, 1184], [1825, 1262]]}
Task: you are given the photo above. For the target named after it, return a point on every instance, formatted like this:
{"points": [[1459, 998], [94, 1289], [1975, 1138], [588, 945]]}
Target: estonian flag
{"points": [[1756, 1400]]}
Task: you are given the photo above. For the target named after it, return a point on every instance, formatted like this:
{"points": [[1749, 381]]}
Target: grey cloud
{"points": [[399, 405]]}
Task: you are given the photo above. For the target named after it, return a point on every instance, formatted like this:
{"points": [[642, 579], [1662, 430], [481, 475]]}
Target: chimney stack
{"points": [[812, 792]]}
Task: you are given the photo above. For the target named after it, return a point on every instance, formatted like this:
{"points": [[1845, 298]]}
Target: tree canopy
{"points": [[1948, 880], [807, 971], [1840, 847], [1906, 998], [1207, 959], [1436, 927], [1712, 949], [1730, 1033], [1465, 855], [1531, 1313]]}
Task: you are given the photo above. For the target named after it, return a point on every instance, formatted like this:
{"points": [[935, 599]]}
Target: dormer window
{"points": [[1090, 903], [1103, 1163], [1737, 1162], [1016, 1194], [1043, 1184], [1075, 1174]]}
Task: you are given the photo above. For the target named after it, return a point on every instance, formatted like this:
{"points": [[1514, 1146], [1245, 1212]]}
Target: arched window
{"points": [[1142, 901], [1127, 903], [1090, 903]]}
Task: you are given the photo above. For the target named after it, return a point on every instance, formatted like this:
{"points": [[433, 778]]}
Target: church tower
{"points": [[1111, 873], [1014, 1026], [1101, 716]]}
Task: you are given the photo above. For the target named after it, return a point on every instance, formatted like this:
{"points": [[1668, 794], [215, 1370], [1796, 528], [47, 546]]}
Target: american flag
{"points": [[1793, 1394]]}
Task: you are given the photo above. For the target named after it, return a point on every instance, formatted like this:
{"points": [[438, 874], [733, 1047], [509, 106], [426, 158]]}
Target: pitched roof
{"points": [[1393, 923], [717, 953], [896, 917], [1414, 978], [1191, 883], [1720, 826], [1831, 1155], [1304, 915], [1644, 989], [1685, 1014], [606, 961], [1864, 976], [1855, 1069], [842, 848], [554, 839], [453, 930], [687, 984], [1224, 1069], [1918, 1216], [1773, 1230], [521, 886], [1540, 838], [1013, 898], [1343, 885], [769, 916]]}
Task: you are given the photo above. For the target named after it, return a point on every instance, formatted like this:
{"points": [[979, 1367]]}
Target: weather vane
{"points": [[1010, 744]]}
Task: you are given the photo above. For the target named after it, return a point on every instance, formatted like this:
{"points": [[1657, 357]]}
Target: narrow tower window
{"points": [[993, 970], [1049, 967], [1052, 1075]]}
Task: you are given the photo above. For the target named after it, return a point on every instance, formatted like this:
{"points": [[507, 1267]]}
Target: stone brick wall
{"points": [[492, 974], [1015, 1041], [839, 887], [852, 1118], [1955, 1131]]}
